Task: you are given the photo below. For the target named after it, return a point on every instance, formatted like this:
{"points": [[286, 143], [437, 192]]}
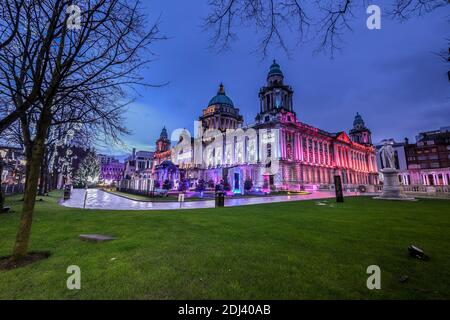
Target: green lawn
{"points": [[294, 250]]}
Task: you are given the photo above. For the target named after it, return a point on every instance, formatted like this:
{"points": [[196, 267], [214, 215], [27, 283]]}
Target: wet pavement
{"points": [[98, 199]]}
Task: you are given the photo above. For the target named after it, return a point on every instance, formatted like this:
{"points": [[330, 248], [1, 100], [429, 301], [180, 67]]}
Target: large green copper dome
{"points": [[221, 98], [275, 70]]}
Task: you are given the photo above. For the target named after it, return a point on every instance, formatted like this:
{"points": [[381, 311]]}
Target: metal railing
{"points": [[423, 191], [10, 189]]}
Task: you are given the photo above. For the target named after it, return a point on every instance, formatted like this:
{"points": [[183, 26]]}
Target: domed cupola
{"points": [[275, 70], [163, 143], [358, 123], [275, 96], [221, 98], [163, 134], [360, 133], [221, 113]]}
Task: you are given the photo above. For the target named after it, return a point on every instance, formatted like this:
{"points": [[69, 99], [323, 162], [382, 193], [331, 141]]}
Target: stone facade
{"points": [[426, 162], [111, 172], [306, 157]]}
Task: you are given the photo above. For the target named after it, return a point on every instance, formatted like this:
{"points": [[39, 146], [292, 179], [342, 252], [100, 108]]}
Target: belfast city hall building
{"points": [[276, 152]]}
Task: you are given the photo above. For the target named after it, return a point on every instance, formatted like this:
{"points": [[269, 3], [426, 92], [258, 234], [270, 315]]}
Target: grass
{"points": [[292, 250]]}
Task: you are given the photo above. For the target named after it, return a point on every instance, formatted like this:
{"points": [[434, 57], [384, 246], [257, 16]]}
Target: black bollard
{"points": [[220, 199], [67, 192], [338, 189]]}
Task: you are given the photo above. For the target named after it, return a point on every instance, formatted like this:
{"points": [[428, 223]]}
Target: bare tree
{"points": [[406, 9], [2, 197], [24, 55], [81, 76], [444, 56], [321, 21], [10, 15]]}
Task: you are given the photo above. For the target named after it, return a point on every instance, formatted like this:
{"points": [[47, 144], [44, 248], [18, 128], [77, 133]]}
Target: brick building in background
{"points": [[429, 158], [426, 162]]}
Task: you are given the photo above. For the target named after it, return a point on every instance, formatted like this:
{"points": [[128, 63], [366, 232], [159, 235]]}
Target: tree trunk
{"points": [[2, 197], [27, 166], [47, 178], [34, 161], [26, 219], [46, 181], [41, 179]]}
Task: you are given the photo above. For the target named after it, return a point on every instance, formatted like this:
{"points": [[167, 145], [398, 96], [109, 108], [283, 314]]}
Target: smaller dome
{"points": [[358, 120], [163, 134], [221, 98], [275, 70]]}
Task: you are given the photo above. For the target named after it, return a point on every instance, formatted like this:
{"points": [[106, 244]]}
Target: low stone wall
{"points": [[421, 191]]}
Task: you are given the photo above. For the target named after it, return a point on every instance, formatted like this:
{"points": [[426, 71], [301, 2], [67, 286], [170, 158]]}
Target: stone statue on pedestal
{"points": [[392, 190], [387, 156]]}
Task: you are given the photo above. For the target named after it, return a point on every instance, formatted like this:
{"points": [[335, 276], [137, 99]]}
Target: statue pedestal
{"points": [[392, 190]]}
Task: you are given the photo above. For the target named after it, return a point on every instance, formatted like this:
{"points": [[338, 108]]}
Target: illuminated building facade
{"points": [[111, 172], [306, 157], [163, 151], [138, 165], [425, 162], [429, 158], [13, 168]]}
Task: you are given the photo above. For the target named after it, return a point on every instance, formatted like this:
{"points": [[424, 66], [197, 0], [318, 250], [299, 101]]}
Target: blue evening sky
{"points": [[392, 76]]}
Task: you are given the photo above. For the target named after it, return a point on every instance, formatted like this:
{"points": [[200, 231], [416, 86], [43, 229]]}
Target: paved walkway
{"points": [[98, 199]]}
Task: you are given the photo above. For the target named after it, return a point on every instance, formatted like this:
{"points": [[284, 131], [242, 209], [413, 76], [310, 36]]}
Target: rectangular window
{"points": [[435, 165]]}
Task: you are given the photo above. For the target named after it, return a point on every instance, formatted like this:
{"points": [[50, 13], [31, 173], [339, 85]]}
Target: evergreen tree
{"points": [[88, 172]]}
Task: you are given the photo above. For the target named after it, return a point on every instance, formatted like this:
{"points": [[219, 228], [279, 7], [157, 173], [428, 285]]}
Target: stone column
{"points": [[346, 158], [281, 143], [338, 156], [307, 149], [318, 152], [328, 154]]}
